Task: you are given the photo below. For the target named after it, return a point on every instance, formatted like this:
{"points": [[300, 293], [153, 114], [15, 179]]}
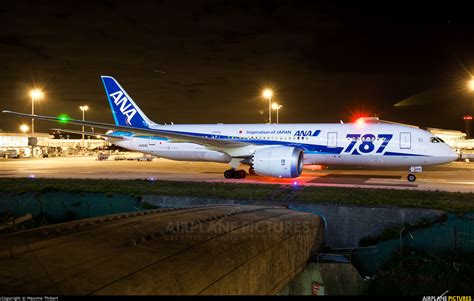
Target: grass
{"points": [[448, 201]]}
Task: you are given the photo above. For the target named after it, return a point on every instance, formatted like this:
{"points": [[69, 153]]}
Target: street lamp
{"points": [[35, 95], [83, 109], [268, 94], [468, 119], [470, 84], [24, 128], [276, 107]]}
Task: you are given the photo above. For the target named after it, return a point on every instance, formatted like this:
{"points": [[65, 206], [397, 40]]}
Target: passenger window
{"points": [[434, 140]]}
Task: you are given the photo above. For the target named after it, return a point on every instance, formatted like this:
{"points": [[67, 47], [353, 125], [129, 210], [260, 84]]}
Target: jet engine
{"points": [[278, 161]]}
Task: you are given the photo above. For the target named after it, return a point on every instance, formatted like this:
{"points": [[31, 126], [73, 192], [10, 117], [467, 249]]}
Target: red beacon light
{"points": [[467, 117], [360, 121]]}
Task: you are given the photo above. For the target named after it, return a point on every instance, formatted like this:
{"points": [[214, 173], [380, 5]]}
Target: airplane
{"points": [[274, 150]]}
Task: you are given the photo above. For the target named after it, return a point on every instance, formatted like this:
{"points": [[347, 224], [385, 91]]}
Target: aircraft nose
{"points": [[452, 154]]}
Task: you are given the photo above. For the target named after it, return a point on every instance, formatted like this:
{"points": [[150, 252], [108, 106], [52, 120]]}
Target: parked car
{"points": [[102, 156], [144, 158], [12, 153]]}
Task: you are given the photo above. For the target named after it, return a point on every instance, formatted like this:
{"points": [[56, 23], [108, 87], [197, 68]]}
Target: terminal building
{"points": [[19, 145], [455, 139]]}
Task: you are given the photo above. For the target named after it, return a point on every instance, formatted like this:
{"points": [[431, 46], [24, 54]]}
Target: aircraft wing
{"points": [[89, 133], [175, 136]]}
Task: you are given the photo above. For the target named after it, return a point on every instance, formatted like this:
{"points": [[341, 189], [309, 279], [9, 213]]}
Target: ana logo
{"points": [[307, 133], [124, 105]]}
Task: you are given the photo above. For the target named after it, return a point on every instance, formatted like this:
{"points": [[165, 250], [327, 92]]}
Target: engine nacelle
{"points": [[278, 161]]}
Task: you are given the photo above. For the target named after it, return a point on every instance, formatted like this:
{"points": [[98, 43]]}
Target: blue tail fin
{"points": [[124, 109]]}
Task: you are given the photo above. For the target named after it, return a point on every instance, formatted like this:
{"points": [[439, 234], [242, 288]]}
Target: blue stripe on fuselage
{"points": [[403, 154]]}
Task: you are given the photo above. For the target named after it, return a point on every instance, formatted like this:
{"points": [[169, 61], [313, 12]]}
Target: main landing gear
{"points": [[232, 173], [413, 169]]}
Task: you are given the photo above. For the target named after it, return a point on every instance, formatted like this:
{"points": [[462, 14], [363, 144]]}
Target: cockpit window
{"points": [[436, 140]]}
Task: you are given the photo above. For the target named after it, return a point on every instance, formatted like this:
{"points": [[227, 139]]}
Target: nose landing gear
{"points": [[413, 169]]}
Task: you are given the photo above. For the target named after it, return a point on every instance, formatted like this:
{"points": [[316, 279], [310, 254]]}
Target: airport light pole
{"points": [[83, 109], [276, 107], [35, 95], [267, 93], [470, 85], [468, 119]]}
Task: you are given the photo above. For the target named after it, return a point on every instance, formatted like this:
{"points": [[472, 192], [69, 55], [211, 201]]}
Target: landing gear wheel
{"points": [[229, 174], [240, 174], [411, 177], [251, 171]]}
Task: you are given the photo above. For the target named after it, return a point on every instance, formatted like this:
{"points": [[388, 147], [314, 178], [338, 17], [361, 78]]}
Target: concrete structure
{"points": [[221, 249], [348, 224], [345, 225]]}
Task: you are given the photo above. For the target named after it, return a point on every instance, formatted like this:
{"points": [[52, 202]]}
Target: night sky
{"points": [[207, 61]]}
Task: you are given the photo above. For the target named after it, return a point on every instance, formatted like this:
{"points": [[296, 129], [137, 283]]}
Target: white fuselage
{"points": [[360, 144]]}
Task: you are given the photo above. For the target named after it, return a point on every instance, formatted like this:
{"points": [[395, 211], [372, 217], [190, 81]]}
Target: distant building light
{"points": [[24, 128]]}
